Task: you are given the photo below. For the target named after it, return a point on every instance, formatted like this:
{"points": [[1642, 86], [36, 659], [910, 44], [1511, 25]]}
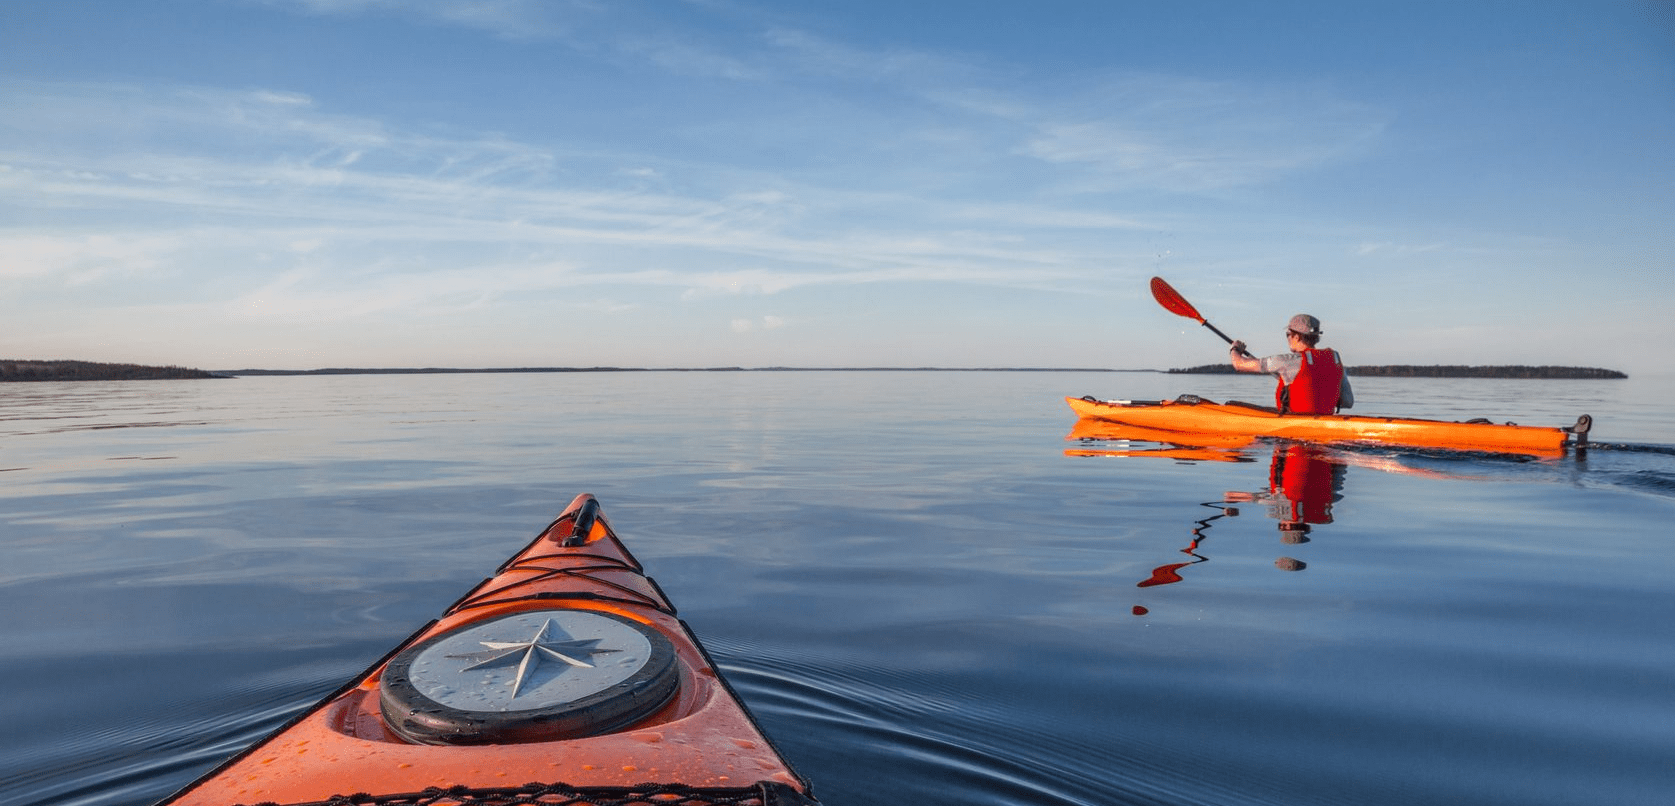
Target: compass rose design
{"points": [[529, 654], [604, 670]]}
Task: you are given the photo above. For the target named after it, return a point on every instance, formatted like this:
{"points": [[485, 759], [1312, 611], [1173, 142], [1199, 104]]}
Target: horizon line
{"points": [[445, 370]]}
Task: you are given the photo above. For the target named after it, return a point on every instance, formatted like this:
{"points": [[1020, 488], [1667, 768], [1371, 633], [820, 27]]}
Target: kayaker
{"points": [[1311, 379]]}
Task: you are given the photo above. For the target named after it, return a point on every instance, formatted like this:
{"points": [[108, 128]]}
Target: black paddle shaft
{"points": [[1218, 332], [1215, 330]]}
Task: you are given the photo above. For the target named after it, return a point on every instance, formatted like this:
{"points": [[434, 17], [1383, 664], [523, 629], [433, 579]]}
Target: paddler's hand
{"points": [[1238, 348]]}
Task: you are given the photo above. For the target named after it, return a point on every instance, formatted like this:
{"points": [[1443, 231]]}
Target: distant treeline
{"points": [[11, 370], [1444, 371], [447, 370], [421, 370], [17, 370]]}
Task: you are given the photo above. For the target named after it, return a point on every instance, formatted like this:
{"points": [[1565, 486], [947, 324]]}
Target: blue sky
{"points": [[481, 183]]}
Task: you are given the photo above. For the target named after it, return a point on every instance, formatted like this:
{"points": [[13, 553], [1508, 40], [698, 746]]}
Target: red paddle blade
{"points": [[1171, 299]]}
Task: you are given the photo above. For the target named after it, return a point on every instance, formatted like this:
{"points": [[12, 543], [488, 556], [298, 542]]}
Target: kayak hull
{"points": [[1191, 415], [700, 736]]}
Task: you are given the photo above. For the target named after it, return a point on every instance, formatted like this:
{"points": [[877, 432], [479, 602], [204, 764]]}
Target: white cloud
{"points": [[81, 259], [511, 19], [282, 98], [303, 214], [312, 294], [743, 325], [678, 55], [334, 190], [1112, 130], [1195, 136], [1390, 247], [814, 54]]}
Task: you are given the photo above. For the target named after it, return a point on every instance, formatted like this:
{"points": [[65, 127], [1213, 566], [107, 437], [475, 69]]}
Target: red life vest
{"points": [[1315, 389]]}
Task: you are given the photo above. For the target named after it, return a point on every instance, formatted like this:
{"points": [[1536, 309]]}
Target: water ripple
{"points": [[929, 739]]}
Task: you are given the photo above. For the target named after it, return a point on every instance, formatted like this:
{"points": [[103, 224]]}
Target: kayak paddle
{"points": [[1172, 300]]}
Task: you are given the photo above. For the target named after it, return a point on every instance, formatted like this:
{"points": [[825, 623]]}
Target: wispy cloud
{"points": [[803, 51], [300, 294], [1195, 136], [621, 29], [511, 19], [762, 323], [84, 258], [417, 211], [985, 184], [1146, 131], [1388, 247]]}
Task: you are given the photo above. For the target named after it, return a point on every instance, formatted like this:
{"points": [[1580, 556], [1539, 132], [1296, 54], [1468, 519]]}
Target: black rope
{"points": [[543, 573], [763, 793]]}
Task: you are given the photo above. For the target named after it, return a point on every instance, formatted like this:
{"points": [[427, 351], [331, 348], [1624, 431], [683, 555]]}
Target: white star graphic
{"points": [[528, 654]]}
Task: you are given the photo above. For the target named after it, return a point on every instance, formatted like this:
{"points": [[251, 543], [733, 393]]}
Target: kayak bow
{"points": [[569, 665], [1190, 414]]}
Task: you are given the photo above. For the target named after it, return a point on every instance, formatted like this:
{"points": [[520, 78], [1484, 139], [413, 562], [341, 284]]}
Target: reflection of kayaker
{"points": [[1303, 483]]}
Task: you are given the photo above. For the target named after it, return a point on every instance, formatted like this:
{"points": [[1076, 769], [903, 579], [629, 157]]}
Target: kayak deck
{"points": [[596, 686], [1190, 414]]}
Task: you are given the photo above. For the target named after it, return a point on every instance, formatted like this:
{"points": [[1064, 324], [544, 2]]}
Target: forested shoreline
{"points": [[15, 370]]}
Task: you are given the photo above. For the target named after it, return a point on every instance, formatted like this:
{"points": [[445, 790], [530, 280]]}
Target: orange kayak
{"points": [[1190, 414], [568, 668]]}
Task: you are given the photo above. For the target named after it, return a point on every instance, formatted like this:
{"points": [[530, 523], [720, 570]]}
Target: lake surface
{"points": [[921, 587]]}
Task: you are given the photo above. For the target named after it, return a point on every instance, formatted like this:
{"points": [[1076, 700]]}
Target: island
{"points": [[1444, 371], [17, 370]]}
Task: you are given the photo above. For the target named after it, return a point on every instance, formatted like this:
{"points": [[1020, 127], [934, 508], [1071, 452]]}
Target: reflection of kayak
{"points": [[1169, 444], [569, 665], [1193, 415]]}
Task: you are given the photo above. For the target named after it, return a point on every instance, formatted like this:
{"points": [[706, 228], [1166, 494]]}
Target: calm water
{"points": [[926, 593]]}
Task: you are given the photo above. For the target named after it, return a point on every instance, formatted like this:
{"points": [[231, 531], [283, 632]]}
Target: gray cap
{"points": [[1305, 324]]}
